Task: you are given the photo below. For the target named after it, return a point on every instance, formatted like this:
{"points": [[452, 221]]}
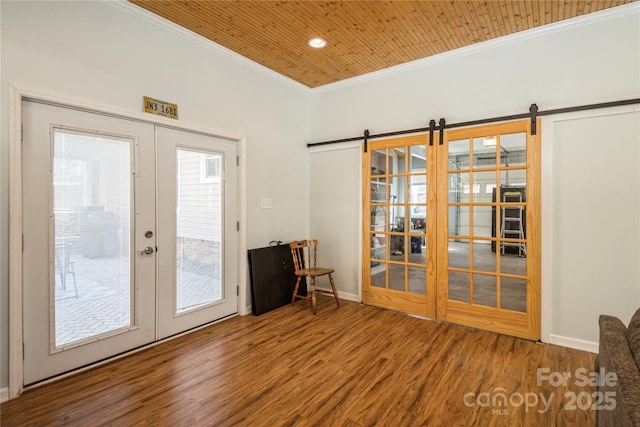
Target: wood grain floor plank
{"points": [[349, 366]]}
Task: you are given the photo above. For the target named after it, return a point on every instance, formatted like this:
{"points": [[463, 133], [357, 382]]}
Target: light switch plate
{"points": [[265, 203]]}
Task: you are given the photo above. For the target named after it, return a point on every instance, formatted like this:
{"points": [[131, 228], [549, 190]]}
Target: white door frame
{"points": [[16, 97]]}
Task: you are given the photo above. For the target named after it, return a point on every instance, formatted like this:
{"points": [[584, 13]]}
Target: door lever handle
{"points": [[146, 251]]}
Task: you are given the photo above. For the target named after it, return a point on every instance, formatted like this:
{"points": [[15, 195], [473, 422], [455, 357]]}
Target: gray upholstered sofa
{"points": [[620, 353]]}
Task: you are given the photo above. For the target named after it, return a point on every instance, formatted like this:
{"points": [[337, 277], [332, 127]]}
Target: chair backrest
{"points": [[304, 253]]}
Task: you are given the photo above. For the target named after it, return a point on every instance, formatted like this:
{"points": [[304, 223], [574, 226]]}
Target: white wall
{"points": [[95, 52], [335, 216], [596, 220], [579, 62]]}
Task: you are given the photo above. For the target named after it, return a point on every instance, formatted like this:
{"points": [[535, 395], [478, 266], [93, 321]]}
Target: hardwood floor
{"points": [[354, 365]]}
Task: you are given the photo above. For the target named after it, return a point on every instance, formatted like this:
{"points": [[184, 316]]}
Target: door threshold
{"points": [[121, 355]]}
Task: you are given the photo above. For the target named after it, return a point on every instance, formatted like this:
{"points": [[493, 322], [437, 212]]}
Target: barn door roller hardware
{"points": [[533, 114], [533, 111], [432, 127], [442, 126], [366, 137]]}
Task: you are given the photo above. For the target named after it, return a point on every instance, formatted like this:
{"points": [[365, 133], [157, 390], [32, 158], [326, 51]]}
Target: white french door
{"points": [[197, 230], [129, 235]]}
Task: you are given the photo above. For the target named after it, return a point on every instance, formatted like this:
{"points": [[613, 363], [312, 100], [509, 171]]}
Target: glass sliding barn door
{"points": [[399, 225], [464, 215], [489, 229]]}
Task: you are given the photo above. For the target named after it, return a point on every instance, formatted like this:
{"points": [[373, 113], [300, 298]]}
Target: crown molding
{"points": [[170, 27], [544, 30]]}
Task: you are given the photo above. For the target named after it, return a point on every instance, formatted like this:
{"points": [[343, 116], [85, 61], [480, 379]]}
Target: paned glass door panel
{"points": [[91, 222], [199, 230], [464, 215], [489, 274], [397, 178], [197, 211]]}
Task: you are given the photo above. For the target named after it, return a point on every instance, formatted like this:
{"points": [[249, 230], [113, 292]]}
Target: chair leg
{"points": [[313, 294], [72, 271], [333, 286], [295, 291]]}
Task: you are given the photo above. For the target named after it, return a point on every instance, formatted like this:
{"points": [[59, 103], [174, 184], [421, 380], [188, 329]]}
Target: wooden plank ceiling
{"points": [[362, 36]]}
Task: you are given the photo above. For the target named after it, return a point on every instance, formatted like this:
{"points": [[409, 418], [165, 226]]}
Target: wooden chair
{"points": [[305, 257]]}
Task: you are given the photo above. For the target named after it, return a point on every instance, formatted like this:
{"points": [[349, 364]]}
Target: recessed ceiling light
{"points": [[317, 42]]}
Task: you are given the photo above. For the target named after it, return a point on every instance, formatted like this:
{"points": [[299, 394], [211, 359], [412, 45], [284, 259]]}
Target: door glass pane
{"points": [[378, 274], [513, 220], [378, 218], [417, 217], [459, 154], [513, 294], [378, 190], [199, 220], [513, 178], [417, 280], [397, 249], [397, 160], [513, 149], [91, 267], [418, 159], [484, 152], [416, 234], [397, 241], [378, 162], [378, 246], [483, 258], [397, 219], [418, 189], [459, 188], [459, 220], [392, 161], [458, 253], [483, 222], [485, 183], [417, 248], [512, 263], [484, 290], [396, 189], [396, 277], [458, 286]]}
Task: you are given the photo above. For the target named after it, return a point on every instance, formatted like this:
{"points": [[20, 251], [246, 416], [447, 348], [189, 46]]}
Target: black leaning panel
{"points": [[272, 278]]}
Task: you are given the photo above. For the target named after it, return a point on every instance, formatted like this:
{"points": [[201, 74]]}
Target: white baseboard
{"points": [[4, 395], [590, 346], [341, 295], [344, 295]]}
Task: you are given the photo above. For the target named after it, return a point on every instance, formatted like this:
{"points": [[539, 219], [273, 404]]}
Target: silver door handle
{"points": [[146, 251]]}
